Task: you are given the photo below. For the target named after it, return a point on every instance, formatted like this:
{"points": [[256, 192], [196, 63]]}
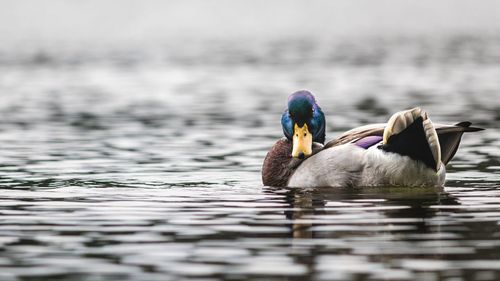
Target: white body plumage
{"points": [[351, 165]]}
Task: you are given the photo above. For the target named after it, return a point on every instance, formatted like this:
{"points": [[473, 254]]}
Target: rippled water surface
{"points": [[144, 163]]}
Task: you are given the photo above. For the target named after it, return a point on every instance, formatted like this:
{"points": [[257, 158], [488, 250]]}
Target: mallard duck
{"points": [[408, 150]]}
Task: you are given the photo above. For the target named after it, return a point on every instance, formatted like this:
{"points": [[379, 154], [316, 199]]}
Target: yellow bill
{"points": [[302, 141]]}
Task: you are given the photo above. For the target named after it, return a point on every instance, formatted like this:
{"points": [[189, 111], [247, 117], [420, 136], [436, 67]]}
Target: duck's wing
{"points": [[357, 134], [449, 136]]}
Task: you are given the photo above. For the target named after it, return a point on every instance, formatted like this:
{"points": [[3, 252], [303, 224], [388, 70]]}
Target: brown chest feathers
{"points": [[279, 165]]}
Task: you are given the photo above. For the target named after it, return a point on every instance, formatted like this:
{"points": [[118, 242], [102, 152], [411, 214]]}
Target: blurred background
{"points": [[104, 22], [132, 135], [217, 53]]}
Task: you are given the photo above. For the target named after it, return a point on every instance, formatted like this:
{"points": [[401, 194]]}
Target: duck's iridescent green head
{"points": [[303, 123]]}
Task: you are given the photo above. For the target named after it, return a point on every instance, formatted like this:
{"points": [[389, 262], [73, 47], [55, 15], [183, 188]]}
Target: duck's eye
{"points": [[305, 134], [297, 135]]}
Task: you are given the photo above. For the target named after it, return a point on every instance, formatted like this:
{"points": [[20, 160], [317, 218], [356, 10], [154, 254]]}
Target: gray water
{"points": [[143, 162]]}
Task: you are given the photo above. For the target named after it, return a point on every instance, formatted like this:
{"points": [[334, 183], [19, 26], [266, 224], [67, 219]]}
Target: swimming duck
{"points": [[408, 150]]}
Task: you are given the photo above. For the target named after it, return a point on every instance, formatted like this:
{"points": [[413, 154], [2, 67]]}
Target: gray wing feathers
{"points": [[355, 134]]}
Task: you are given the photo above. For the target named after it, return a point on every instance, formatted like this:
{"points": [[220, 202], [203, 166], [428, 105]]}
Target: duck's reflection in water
{"points": [[363, 231], [335, 212]]}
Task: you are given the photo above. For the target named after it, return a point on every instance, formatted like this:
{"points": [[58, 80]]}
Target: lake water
{"points": [[143, 162]]}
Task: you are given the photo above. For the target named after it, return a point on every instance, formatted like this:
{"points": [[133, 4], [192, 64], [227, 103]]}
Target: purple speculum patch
{"points": [[369, 141]]}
